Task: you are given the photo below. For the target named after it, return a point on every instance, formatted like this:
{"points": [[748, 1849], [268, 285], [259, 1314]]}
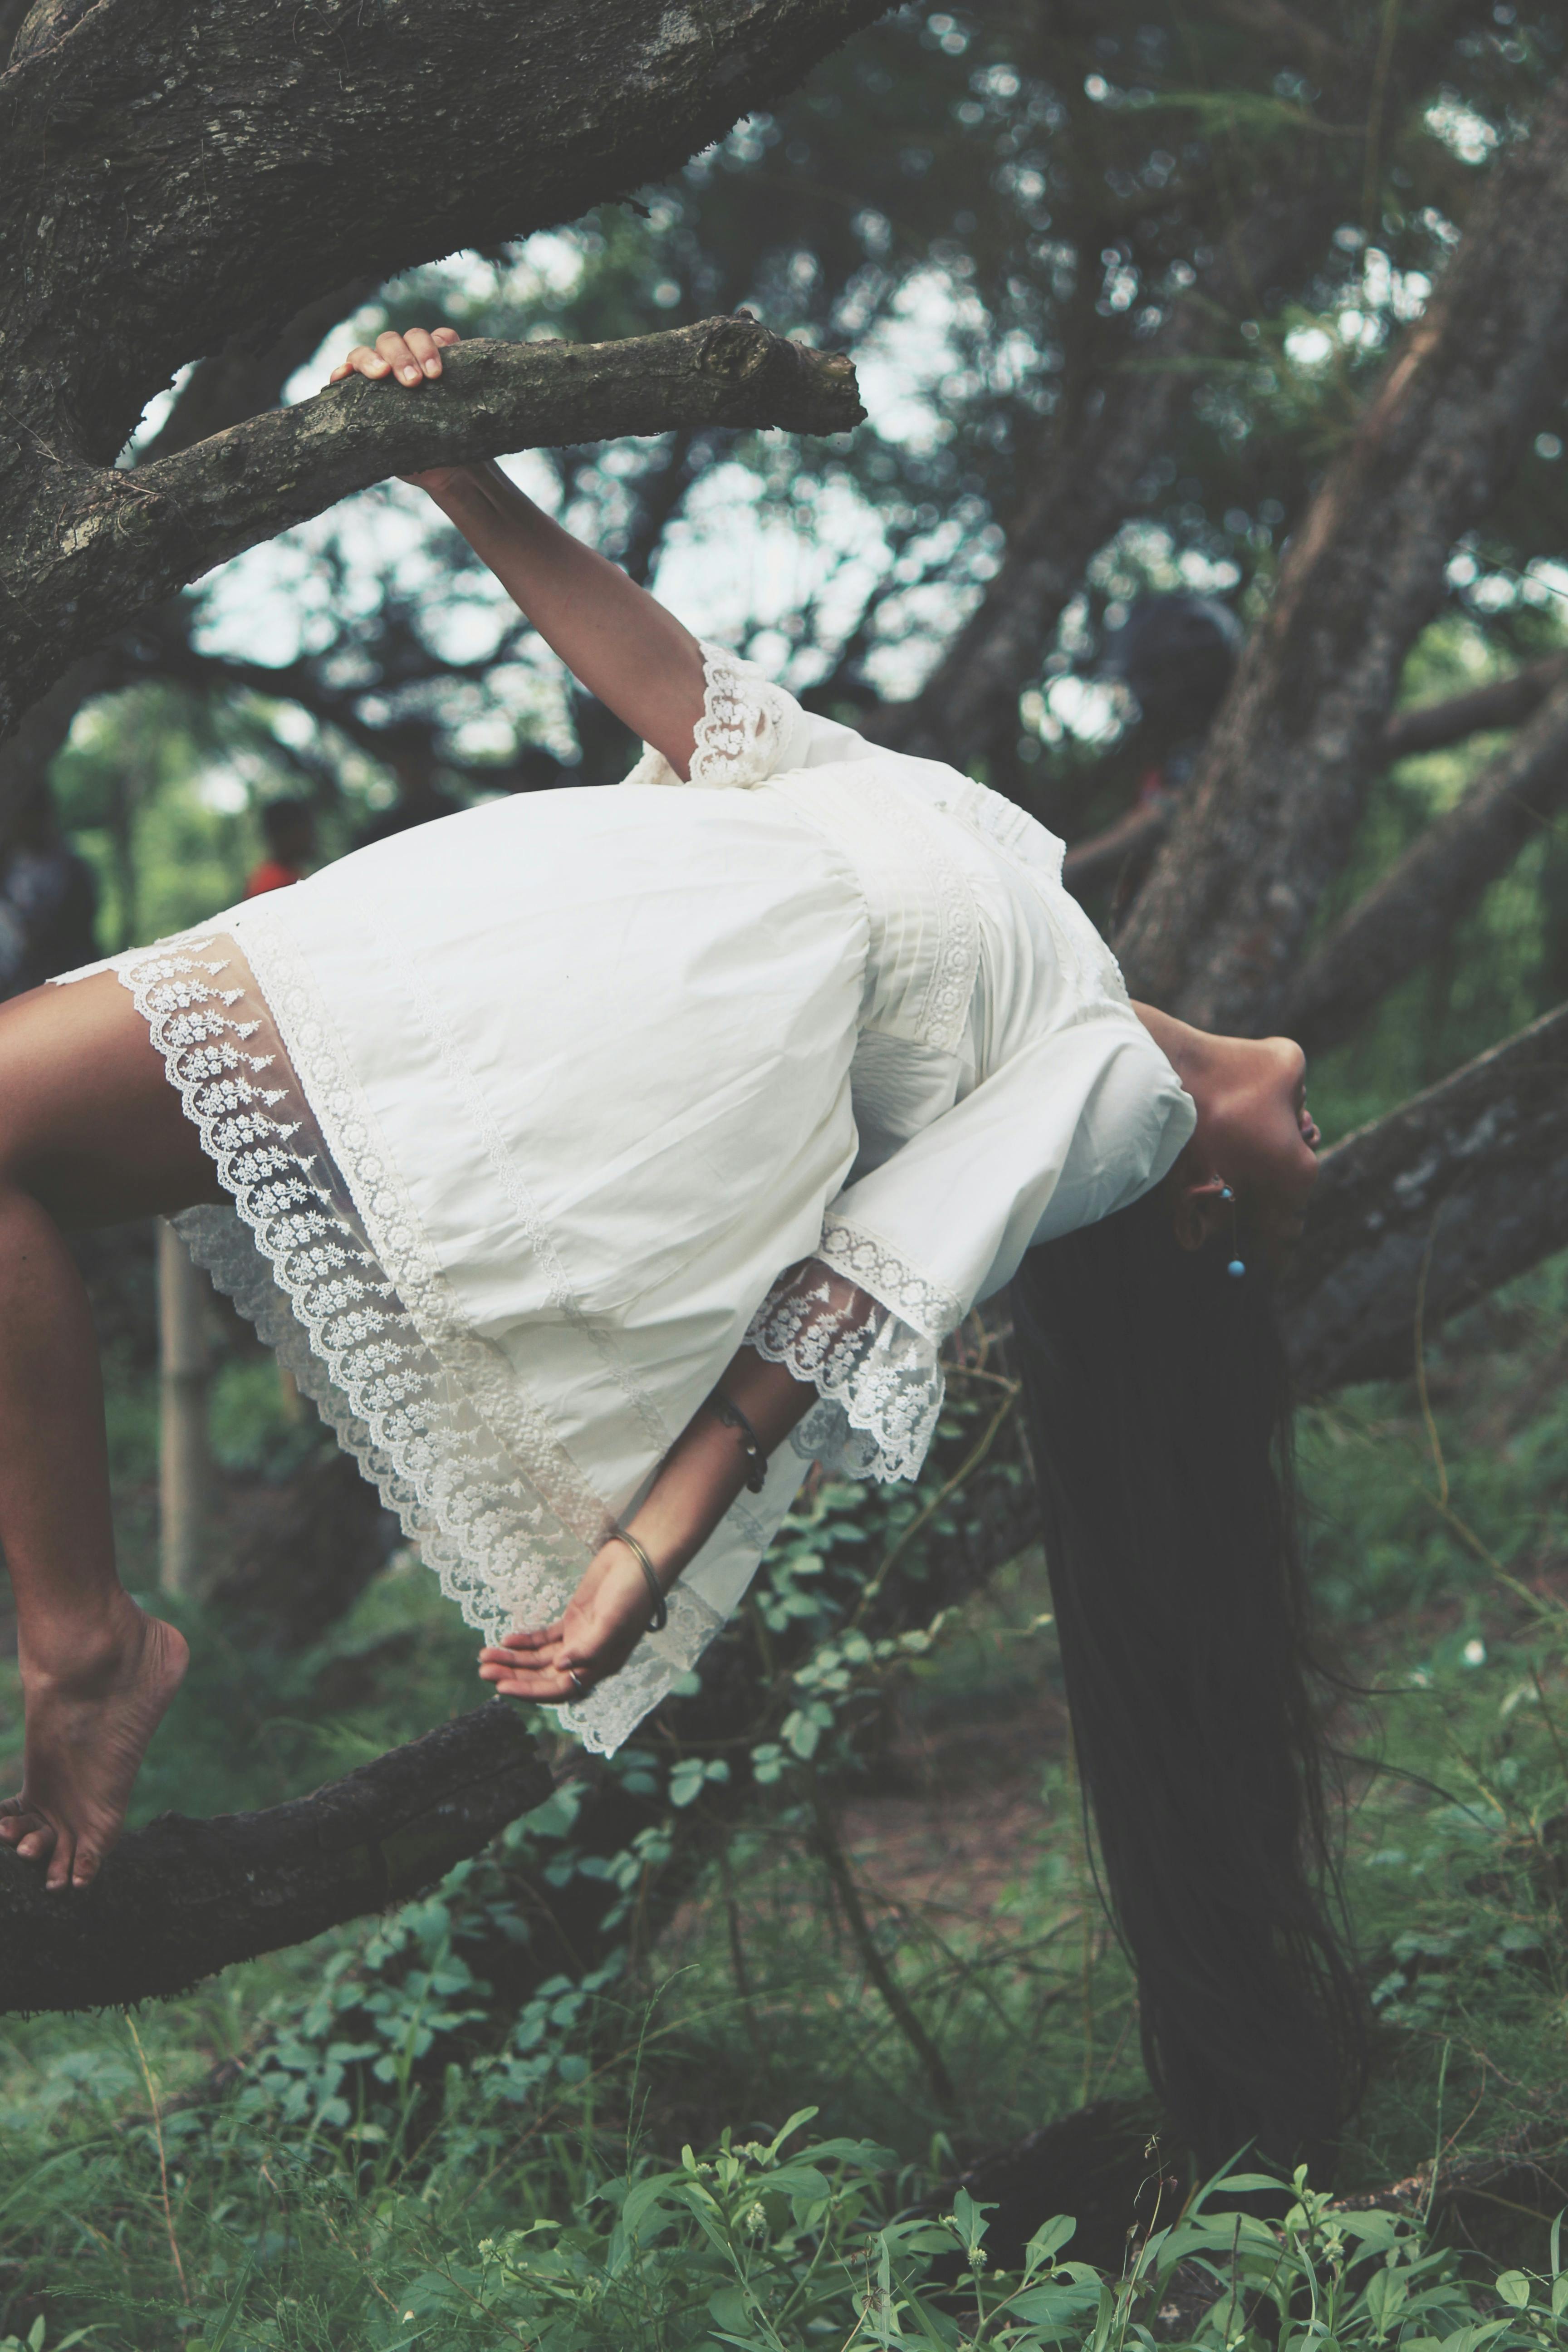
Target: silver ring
{"points": [[575, 1679]]}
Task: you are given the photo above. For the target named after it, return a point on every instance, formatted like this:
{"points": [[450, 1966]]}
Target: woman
{"points": [[596, 1160]]}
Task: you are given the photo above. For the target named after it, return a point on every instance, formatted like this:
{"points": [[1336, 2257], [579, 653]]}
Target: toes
{"points": [[85, 1867], [60, 1861], [38, 1839]]}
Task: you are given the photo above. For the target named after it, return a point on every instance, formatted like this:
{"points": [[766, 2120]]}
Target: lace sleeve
{"points": [[750, 729], [879, 1380]]}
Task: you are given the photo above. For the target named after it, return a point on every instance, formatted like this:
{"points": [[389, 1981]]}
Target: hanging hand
{"points": [[600, 1626]]}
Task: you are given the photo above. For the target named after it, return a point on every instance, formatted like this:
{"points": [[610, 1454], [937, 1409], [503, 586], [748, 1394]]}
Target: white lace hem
{"points": [[741, 736], [294, 1257], [879, 1380]]}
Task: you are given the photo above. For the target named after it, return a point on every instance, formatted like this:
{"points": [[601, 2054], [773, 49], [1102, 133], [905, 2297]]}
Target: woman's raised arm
{"points": [[615, 638]]}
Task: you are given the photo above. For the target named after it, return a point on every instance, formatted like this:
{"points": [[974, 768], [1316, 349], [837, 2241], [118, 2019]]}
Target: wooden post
{"points": [[183, 1456]]}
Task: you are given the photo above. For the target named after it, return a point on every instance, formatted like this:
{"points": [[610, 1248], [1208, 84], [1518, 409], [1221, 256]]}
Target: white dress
{"points": [[532, 1115]]}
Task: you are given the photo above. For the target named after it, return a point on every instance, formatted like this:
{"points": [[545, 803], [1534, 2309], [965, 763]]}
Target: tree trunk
{"points": [[185, 1451], [1269, 820]]}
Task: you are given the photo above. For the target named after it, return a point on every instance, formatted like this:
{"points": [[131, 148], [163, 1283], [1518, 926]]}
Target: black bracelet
{"points": [[660, 1618], [731, 1416]]}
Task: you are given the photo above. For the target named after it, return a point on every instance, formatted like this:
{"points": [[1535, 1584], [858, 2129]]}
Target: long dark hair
{"points": [[1159, 1403]]}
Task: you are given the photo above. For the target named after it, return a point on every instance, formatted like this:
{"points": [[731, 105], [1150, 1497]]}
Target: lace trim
{"points": [[742, 735], [930, 1307], [405, 1402], [880, 1381], [608, 1720]]}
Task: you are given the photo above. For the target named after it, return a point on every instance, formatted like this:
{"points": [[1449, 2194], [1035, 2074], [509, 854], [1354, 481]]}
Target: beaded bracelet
{"points": [[729, 1413]]}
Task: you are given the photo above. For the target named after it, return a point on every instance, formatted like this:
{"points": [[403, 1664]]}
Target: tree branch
{"points": [[73, 575], [1426, 727], [180, 1899], [1268, 819], [1099, 856], [1502, 702], [1407, 914], [1463, 1187]]}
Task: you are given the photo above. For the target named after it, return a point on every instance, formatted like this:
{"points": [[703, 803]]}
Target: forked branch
{"points": [[127, 539]]}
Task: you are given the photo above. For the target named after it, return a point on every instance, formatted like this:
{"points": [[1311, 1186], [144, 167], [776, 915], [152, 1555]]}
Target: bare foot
{"points": [[86, 1731]]}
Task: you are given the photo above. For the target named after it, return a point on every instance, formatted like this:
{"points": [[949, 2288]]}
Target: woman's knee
{"points": [[89, 1122]]}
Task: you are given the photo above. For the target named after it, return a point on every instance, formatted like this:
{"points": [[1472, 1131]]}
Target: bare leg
{"points": [[90, 1133]]}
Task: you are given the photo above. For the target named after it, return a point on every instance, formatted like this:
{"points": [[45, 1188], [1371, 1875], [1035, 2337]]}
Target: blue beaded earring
{"points": [[1236, 1268]]}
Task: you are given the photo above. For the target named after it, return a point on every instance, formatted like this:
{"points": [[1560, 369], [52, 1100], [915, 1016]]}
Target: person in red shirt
{"points": [[291, 831]]}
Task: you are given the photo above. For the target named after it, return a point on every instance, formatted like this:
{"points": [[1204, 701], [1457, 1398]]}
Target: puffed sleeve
{"points": [[750, 729], [1069, 1130]]}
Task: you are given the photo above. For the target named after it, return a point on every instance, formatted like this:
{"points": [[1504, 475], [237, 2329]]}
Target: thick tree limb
{"points": [[180, 1899], [171, 176], [1268, 819], [78, 569], [1408, 914], [1459, 1189]]}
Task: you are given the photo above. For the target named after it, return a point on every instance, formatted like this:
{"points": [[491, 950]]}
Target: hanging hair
{"points": [[1158, 1404]]}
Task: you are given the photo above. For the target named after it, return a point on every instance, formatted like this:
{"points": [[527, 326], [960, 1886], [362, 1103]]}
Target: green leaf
{"points": [[1514, 2288], [1047, 2238]]}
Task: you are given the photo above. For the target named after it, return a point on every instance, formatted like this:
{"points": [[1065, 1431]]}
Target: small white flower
{"points": [[1474, 1653]]}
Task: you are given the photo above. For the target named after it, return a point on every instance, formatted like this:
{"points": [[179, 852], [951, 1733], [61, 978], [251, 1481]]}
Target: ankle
{"points": [[89, 1639]]}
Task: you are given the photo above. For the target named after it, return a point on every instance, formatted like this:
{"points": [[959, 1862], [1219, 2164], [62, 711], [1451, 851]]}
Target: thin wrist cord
{"points": [[729, 1413]]}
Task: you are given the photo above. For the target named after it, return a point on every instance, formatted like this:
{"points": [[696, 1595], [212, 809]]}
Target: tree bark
{"points": [[1406, 917], [236, 383], [180, 1899], [1458, 1190], [78, 568], [172, 188], [1269, 820]]}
